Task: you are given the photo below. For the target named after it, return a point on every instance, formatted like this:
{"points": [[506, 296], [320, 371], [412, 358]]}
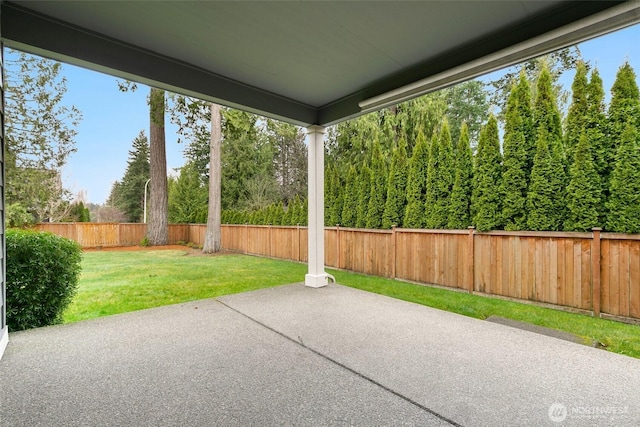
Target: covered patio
{"points": [[297, 355], [293, 355]]}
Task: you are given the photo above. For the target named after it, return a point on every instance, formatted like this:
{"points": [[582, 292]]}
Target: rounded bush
{"points": [[42, 277]]}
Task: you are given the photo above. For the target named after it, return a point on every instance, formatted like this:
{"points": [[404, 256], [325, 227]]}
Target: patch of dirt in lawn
{"points": [[190, 251]]}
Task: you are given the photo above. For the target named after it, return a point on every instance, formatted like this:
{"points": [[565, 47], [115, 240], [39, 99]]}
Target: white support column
{"points": [[316, 277]]}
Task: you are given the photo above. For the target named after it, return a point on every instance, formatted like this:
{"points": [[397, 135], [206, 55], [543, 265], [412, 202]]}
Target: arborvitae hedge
{"points": [[396, 187], [460, 202], [444, 183], [336, 198], [577, 111], [545, 201], [583, 191], [431, 184], [546, 117], [624, 201], [595, 130], [516, 174], [487, 198], [624, 107], [416, 183], [350, 199], [378, 192], [364, 193], [625, 101]]}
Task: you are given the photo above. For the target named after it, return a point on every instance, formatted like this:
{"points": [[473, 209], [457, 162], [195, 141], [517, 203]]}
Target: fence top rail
{"points": [[619, 236], [89, 223], [556, 234], [431, 231], [360, 230], [288, 227]]}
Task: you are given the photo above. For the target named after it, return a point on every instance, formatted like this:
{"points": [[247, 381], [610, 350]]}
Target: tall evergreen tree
{"points": [[467, 103], [431, 183], [516, 173], [303, 218], [545, 201], [350, 199], [595, 130], [460, 205], [128, 194], [624, 200], [583, 191], [546, 196], [364, 193], [546, 117], [487, 179], [416, 184], [423, 114], [396, 187], [329, 198], [352, 140], [247, 163], [524, 110], [625, 105], [188, 197], [287, 217], [577, 110], [336, 196], [378, 188], [289, 158], [445, 175]]}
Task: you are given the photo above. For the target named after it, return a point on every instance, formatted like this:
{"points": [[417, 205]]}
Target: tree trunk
{"points": [[158, 225], [212, 241]]}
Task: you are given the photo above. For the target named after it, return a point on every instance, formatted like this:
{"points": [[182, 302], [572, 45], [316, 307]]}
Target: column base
{"points": [[4, 340], [316, 280]]}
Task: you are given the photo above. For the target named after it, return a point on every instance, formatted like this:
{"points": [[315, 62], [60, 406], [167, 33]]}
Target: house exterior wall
{"points": [[4, 331]]}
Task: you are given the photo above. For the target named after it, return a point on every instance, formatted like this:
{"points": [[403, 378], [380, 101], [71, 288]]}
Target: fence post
{"points": [[270, 241], [470, 261], [595, 272], [298, 234], [246, 239], [394, 255], [337, 245]]}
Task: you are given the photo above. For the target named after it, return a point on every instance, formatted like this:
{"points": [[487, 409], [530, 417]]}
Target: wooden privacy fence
{"points": [[594, 271]]}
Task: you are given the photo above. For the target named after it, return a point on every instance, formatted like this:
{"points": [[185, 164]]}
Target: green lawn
{"points": [[117, 282]]}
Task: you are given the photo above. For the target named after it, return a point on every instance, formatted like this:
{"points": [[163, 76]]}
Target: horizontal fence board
{"points": [[547, 267]]}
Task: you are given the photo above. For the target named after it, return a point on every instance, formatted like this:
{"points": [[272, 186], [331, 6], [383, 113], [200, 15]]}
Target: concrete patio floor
{"points": [[293, 355]]}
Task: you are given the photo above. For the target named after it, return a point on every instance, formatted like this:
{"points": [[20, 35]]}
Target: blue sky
{"points": [[112, 119]]}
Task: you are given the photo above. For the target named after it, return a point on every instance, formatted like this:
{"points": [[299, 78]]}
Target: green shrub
{"points": [[16, 215], [42, 277]]}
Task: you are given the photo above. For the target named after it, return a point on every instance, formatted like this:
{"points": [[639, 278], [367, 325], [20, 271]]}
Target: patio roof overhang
{"points": [[304, 62]]}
